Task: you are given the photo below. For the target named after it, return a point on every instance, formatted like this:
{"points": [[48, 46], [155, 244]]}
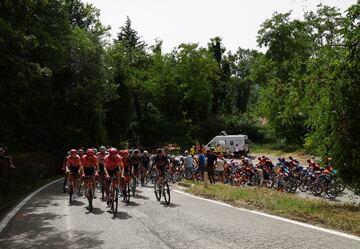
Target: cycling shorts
{"points": [[74, 170], [89, 172], [162, 170], [113, 172], [101, 169]]}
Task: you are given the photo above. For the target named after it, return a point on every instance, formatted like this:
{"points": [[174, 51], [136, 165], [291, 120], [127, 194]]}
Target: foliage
{"points": [[63, 85]]}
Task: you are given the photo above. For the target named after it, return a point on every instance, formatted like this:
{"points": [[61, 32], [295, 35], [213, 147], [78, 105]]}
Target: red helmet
{"points": [[126, 152], [113, 151], [73, 152], [90, 152]]}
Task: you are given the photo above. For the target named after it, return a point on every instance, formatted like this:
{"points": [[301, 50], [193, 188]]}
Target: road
{"points": [[47, 221]]}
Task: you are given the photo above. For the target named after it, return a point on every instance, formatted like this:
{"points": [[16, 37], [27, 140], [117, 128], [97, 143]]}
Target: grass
{"points": [[9, 201], [343, 217]]}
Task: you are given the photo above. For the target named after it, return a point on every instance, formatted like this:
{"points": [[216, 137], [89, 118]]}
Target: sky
{"points": [[196, 21]]}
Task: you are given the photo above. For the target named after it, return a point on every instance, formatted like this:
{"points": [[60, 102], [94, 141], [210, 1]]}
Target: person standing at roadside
{"points": [[210, 167], [201, 164], [188, 165], [197, 147], [236, 151], [220, 167], [192, 151]]}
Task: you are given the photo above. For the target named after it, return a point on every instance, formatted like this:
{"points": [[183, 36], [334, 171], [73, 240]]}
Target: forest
{"points": [[65, 83]]}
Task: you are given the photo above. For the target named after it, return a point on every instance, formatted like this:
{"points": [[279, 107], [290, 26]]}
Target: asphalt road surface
{"points": [[47, 221]]}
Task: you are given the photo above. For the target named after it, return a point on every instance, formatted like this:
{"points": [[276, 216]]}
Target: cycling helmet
{"points": [[102, 148], [136, 151], [125, 152], [73, 152], [159, 151], [90, 152], [113, 151], [145, 152], [325, 172], [80, 151]]}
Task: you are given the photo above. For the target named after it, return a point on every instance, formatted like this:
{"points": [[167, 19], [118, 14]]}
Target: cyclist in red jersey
{"points": [[126, 167], [73, 165], [90, 166], [113, 164]]}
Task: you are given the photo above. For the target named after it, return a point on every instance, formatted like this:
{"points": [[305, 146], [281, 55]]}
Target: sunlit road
{"points": [[47, 221]]}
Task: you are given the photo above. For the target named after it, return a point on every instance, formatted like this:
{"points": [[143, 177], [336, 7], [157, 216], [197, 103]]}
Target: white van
{"points": [[228, 143]]}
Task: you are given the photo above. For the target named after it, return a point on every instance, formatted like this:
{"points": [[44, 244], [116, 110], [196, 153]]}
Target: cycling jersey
{"points": [[89, 162], [135, 162], [101, 157], [73, 161], [161, 163], [112, 162]]}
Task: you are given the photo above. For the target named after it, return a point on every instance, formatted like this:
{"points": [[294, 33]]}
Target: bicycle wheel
{"points": [[157, 191], [303, 186], [71, 193], [316, 189], [133, 186], [332, 191], [90, 198], [127, 193], [166, 193], [116, 201]]}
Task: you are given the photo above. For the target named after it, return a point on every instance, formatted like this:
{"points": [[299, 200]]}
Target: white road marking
{"points": [[16, 209], [345, 235]]}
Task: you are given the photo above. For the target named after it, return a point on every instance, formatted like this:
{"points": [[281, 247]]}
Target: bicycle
{"points": [[89, 191], [114, 191], [133, 183], [71, 185], [162, 190], [102, 184], [126, 189]]}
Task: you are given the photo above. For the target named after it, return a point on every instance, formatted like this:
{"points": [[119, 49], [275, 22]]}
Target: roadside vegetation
{"points": [[344, 217], [64, 84]]}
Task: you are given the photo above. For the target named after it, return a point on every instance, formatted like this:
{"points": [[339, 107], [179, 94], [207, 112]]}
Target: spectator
{"points": [[188, 165], [3, 154], [220, 167], [201, 164], [210, 167], [236, 151], [197, 147], [192, 150]]}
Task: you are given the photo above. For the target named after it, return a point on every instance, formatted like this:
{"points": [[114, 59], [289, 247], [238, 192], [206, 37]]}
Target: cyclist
{"points": [[81, 153], [146, 161], [126, 168], [73, 165], [136, 165], [90, 166], [101, 155], [113, 164], [161, 163]]}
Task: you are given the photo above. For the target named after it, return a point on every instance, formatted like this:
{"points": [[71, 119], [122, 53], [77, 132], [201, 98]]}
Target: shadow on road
{"points": [[171, 205], [133, 203], [122, 216], [77, 203], [142, 197], [36, 230]]}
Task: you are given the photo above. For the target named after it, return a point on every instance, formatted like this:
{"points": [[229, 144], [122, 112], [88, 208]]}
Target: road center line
{"points": [[345, 235], [16, 209]]}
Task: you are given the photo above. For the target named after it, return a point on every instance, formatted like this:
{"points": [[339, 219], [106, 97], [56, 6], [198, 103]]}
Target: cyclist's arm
{"points": [[106, 172]]}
